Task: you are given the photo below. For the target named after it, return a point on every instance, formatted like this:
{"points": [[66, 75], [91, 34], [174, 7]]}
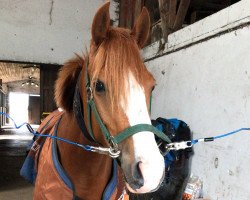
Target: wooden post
{"points": [[172, 12], [123, 13], [193, 17], [170, 21], [137, 10], [181, 14], [164, 13], [127, 12]]}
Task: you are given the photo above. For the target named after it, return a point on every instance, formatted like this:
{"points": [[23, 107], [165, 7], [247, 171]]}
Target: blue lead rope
{"points": [[9, 117], [85, 147], [31, 130], [90, 148], [210, 139]]}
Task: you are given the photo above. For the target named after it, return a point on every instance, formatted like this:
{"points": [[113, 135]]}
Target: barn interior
{"points": [[27, 88], [20, 98]]}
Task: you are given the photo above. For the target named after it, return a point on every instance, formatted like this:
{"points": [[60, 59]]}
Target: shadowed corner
{"points": [[12, 155]]}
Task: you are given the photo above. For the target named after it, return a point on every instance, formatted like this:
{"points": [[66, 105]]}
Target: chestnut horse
{"points": [[114, 77]]}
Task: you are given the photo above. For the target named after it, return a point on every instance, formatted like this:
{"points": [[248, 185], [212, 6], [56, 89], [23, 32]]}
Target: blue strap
{"points": [[210, 139], [110, 188], [61, 172]]}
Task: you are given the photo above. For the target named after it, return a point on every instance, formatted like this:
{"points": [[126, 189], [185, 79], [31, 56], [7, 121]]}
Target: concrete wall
{"points": [[45, 31], [207, 84]]}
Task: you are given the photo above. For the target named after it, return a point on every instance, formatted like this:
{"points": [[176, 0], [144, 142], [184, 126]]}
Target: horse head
{"points": [[121, 88]]}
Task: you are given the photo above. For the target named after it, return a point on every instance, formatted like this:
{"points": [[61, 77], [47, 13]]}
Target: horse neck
{"points": [[84, 168]]}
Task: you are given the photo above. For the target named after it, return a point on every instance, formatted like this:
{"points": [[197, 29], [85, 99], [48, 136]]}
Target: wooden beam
{"points": [[123, 13], [172, 12], [127, 9], [137, 10], [193, 17], [164, 13], [131, 12], [181, 14]]}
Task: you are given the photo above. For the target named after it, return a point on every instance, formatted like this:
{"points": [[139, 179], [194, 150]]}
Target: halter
{"points": [[112, 140]]}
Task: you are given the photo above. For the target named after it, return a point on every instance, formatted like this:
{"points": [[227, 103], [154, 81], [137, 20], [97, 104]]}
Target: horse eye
{"points": [[153, 88], [99, 86]]}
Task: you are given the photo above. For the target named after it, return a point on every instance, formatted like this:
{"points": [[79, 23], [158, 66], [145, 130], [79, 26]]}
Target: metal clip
{"points": [[114, 153], [179, 145], [107, 151]]}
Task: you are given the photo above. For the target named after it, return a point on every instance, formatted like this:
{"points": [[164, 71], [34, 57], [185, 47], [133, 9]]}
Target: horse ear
{"points": [[101, 24], [142, 27], [66, 83]]}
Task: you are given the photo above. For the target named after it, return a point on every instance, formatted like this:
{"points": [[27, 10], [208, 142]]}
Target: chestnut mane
{"points": [[66, 82]]}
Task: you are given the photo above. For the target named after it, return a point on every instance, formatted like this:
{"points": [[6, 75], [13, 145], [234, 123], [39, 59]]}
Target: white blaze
{"points": [[145, 147]]}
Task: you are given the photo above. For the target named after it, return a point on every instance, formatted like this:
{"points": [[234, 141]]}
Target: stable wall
{"points": [[206, 83], [46, 31]]}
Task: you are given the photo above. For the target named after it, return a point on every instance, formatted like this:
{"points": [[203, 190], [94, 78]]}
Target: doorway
{"points": [[18, 105]]}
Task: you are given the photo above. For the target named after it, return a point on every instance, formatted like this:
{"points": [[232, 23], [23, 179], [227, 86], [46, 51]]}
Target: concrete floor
{"points": [[13, 146]]}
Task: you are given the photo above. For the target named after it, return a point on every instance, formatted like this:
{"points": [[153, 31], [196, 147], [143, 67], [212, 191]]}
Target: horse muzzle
{"points": [[144, 178], [142, 164]]}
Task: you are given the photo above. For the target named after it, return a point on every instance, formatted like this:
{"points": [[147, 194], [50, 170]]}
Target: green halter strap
{"points": [[114, 140]]}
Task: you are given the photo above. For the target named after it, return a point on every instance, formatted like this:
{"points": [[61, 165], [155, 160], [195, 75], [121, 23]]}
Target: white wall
{"points": [[45, 31], [208, 86]]}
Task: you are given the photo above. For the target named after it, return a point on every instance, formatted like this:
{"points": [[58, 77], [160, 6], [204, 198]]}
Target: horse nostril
{"points": [[137, 175]]}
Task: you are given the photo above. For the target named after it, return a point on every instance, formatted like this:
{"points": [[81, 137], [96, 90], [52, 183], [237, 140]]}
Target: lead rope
{"points": [[101, 150], [171, 146]]}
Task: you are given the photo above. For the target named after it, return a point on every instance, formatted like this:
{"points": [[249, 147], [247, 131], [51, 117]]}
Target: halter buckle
{"points": [[114, 151], [112, 143]]}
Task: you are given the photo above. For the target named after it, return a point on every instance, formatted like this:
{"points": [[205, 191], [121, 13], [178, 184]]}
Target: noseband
{"points": [[113, 141]]}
